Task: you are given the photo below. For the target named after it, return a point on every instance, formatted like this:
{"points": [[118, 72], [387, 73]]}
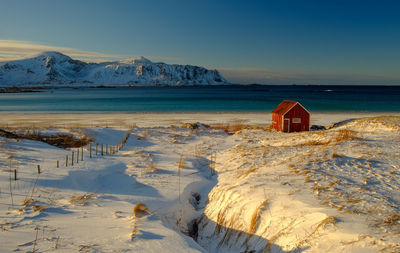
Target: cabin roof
{"points": [[284, 107]]}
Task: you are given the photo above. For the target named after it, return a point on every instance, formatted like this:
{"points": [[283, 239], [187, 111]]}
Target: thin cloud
{"points": [[15, 49]]}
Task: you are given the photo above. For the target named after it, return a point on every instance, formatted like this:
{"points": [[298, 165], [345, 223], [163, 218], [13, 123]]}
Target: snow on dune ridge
{"points": [[324, 191], [335, 190]]}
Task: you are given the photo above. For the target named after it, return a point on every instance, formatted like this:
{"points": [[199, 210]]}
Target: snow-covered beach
{"points": [[164, 119], [247, 189]]}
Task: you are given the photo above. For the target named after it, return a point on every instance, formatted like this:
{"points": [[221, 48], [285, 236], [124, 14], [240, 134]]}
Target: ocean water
{"points": [[254, 98]]}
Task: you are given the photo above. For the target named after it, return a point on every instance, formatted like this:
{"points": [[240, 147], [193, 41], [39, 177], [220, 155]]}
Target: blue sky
{"points": [[274, 42]]}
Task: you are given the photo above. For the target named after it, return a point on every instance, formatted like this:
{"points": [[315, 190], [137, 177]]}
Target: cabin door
{"points": [[286, 125]]}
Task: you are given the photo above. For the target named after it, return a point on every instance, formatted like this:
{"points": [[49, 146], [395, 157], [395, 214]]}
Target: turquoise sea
{"points": [[252, 98]]}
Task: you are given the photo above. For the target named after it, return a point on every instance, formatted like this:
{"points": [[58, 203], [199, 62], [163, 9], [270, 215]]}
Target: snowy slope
{"points": [[336, 190], [55, 68]]}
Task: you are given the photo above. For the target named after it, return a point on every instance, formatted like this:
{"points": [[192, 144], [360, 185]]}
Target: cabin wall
{"points": [[299, 119], [277, 121]]}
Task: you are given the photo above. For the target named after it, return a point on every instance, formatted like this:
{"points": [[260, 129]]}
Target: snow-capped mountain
{"points": [[54, 68]]}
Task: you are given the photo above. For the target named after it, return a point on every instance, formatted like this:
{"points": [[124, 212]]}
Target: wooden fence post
{"points": [[38, 169], [102, 149], [90, 150], [58, 164], [66, 160], [77, 155], [82, 153], [72, 158], [15, 175]]}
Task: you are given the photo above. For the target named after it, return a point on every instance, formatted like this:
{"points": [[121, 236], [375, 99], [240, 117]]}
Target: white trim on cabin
{"points": [[283, 115]]}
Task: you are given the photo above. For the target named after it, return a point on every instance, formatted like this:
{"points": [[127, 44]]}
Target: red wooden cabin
{"points": [[290, 116]]}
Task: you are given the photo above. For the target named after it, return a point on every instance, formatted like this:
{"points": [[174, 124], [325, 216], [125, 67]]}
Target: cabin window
{"points": [[296, 120]]}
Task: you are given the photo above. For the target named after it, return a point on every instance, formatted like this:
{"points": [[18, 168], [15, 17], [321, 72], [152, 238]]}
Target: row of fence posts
{"points": [[100, 149]]}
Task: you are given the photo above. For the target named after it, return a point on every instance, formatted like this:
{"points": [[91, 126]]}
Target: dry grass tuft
{"points": [[230, 128], [353, 200], [135, 229], [269, 128], [255, 218], [82, 200], [143, 135], [248, 172], [58, 140], [225, 127], [346, 135], [28, 202], [152, 167], [335, 155], [392, 219], [341, 135], [315, 143], [281, 232], [140, 210], [330, 220], [38, 208], [182, 163], [220, 220]]}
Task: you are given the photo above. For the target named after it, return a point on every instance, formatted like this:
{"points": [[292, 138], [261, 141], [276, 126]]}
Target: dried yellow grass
{"points": [[143, 135], [61, 140], [27, 202], [281, 232], [248, 172], [152, 167], [352, 200], [360, 237], [140, 210], [315, 143], [230, 128], [182, 162], [133, 233], [38, 208], [220, 220], [352, 211], [82, 200], [135, 229], [392, 219], [255, 217], [330, 220], [229, 233], [307, 179], [335, 155], [346, 135]]}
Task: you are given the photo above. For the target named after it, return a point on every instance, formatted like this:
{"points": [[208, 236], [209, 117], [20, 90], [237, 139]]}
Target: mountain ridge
{"points": [[55, 68]]}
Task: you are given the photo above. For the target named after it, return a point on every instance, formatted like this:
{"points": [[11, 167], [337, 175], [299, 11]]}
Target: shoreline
{"points": [[150, 119]]}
